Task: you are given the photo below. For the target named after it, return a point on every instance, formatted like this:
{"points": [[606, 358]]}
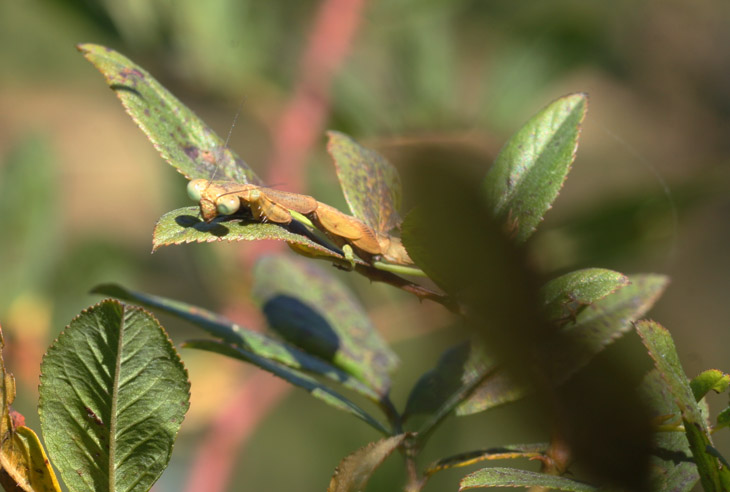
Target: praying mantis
{"points": [[371, 185], [267, 204]]}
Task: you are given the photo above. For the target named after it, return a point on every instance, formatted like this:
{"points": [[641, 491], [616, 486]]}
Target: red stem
{"points": [[297, 130], [302, 122], [216, 456]]}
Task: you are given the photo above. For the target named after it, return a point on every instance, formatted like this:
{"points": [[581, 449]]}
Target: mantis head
{"points": [[213, 199]]}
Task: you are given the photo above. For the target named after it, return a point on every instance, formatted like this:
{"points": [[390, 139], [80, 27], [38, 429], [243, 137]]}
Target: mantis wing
{"points": [[349, 228], [304, 204]]}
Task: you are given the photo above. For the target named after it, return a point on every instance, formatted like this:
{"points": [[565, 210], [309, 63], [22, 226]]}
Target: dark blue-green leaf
{"points": [[438, 384], [459, 369], [290, 375], [243, 338]]}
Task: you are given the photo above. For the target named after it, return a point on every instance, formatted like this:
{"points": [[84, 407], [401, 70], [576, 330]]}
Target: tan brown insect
{"points": [[266, 204]]}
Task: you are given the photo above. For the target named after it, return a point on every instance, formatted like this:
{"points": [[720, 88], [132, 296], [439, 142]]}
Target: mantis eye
{"points": [[196, 188], [228, 204]]}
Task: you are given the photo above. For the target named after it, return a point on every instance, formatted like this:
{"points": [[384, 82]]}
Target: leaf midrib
{"points": [[115, 396]]}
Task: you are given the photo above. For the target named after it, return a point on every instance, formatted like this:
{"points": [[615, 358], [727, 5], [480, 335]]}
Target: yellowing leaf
{"points": [[354, 471], [23, 462]]}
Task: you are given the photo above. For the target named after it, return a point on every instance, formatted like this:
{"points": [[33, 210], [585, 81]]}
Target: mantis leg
{"points": [[349, 255]]}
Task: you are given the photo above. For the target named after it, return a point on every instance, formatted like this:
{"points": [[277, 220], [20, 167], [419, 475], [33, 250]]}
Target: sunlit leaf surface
{"points": [[711, 379], [511, 477], [564, 297], [182, 138], [113, 394], [532, 166], [184, 225]]}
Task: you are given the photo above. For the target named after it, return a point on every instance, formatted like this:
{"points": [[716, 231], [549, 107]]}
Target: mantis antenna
{"points": [[230, 132]]}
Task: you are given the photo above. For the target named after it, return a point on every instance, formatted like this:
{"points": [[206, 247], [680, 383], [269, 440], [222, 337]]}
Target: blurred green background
{"points": [[81, 187]]}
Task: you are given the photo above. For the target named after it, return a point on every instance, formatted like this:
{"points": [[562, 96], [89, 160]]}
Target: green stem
{"points": [[391, 413], [301, 218], [669, 428], [399, 269], [411, 448]]}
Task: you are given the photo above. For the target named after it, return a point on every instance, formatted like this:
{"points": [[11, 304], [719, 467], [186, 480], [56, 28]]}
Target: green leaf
{"points": [[713, 468], [113, 394], [314, 311], [711, 379], [511, 477], [290, 375], [182, 138], [371, 184], [185, 226], [438, 384], [661, 348], [512, 451], [241, 337], [598, 325], [439, 391], [564, 297], [354, 471], [532, 166], [459, 370], [723, 418], [672, 467], [603, 322], [415, 228]]}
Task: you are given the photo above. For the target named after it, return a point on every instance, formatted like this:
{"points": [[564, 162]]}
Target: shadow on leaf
{"points": [[301, 325], [215, 228]]}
